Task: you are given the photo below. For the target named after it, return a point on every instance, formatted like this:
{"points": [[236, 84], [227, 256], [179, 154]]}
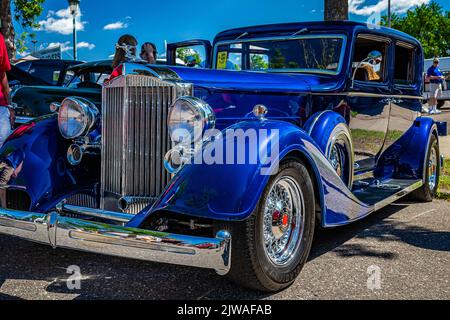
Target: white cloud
{"points": [[116, 26], [359, 7], [87, 45], [66, 46], [61, 22]]}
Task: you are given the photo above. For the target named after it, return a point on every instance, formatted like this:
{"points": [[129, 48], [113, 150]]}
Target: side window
{"points": [[192, 56], [404, 64], [370, 59], [229, 57]]}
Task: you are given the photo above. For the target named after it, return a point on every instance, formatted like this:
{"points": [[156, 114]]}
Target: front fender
{"points": [[231, 191], [36, 152]]}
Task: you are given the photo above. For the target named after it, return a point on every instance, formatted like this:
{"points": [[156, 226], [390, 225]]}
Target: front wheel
{"points": [[270, 248], [433, 168]]}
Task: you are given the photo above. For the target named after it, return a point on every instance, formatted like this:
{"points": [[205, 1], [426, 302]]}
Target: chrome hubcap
{"points": [[337, 159], [432, 169], [283, 220]]}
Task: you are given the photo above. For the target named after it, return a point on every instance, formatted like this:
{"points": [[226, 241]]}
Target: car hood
{"points": [[34, 101], [253, 81]]}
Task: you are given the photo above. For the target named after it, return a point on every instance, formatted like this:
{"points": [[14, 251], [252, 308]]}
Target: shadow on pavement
{"points": [[117, 278]]}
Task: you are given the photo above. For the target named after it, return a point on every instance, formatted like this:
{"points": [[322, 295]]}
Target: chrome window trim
{"points": [[285, 38]]}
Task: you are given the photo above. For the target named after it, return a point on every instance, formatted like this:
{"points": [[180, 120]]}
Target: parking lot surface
{"points": [[406, 246]]}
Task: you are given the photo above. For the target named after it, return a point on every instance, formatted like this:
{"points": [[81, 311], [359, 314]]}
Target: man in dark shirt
{"points": [[6, 113], [436, 78]]}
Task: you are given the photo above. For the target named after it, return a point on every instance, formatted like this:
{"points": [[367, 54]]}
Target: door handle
{"points": [[386, 100]]}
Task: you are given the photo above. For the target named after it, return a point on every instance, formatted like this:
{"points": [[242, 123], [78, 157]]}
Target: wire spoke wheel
{"points": [[432, 169], [283, 220]]}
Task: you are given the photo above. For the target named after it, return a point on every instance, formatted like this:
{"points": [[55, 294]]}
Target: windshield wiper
{"points": [[242, 35], [300, 31]]}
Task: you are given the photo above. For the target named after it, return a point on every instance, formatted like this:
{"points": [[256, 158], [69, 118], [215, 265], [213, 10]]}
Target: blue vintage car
{"points": [[232, 166]]}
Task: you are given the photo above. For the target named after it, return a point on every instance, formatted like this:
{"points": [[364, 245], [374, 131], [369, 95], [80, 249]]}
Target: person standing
{"points": [[7, 117], [125, 51], [436, 78], [149, 52]]}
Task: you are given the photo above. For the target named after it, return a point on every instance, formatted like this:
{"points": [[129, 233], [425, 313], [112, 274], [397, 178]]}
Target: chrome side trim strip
{"points": [[57, 231], [366, 94]]}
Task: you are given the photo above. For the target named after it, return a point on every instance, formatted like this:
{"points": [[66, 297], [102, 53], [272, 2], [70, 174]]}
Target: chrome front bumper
{"points": [[58, 231]]}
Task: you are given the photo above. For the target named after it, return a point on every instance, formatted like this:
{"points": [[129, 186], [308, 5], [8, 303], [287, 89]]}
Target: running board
{"points": [[379, 197]]}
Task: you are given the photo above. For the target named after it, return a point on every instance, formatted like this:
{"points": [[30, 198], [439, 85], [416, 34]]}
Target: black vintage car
{"points": [[53, 72], [84, 80]]}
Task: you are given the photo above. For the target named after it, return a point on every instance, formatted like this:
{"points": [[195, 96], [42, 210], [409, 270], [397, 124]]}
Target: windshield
{"points": [[85, 79], [48, 71], [313, 54]]}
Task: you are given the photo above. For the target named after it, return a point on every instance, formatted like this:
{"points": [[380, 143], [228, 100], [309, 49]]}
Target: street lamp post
{"points": [[74, 6], [389, 13]]}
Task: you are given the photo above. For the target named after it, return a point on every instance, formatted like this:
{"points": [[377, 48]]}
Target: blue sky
{"points": [[103, 21]]}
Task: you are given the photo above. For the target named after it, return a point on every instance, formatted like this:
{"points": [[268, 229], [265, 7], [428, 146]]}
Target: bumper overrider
{"points": [[59, 231]]}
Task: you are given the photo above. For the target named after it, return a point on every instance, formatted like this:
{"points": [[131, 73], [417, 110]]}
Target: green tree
{"points": [[185, 53], [278, 61], [258, 62], [25, 13], [429, 24]]}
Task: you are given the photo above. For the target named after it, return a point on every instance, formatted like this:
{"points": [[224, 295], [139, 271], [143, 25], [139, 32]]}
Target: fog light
{"points": [[75, 154], [173, 160]]}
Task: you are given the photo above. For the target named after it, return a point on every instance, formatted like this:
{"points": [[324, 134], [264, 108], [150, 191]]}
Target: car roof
{"points": [[95, 65], [291, 28], [53, 61]]}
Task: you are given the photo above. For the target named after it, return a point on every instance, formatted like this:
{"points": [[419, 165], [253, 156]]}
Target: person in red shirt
{"points": [[126, 45], [6, 112]]}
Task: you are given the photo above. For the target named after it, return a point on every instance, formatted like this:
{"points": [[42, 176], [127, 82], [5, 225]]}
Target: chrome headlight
{"points": [[76, 117], [189, 118]]}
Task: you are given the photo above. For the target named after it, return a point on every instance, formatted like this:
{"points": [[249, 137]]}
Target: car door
{"points": [[369, 99], [406, 102], [191, 53]]}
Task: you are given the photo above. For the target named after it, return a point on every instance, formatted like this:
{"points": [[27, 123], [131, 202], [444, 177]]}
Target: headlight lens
{"points": [[189, 118], [76, 117]]}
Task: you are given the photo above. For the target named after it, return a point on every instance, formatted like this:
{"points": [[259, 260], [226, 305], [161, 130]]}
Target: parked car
{"points": [[52, 71], [18, 77], [335, 109], [83, 80], [444, 65]]}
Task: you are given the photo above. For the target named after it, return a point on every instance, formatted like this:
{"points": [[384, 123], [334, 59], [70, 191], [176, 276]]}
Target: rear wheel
{"points": [[270, 248], [433, 168]]}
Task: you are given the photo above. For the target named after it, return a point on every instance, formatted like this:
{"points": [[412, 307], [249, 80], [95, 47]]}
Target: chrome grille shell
{"points": [[135, 139]]}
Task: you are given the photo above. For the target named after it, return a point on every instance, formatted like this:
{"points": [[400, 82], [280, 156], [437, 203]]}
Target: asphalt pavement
{"points": [[400, 252]]}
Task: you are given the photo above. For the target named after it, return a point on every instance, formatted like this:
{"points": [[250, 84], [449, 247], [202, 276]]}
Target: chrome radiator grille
{"points": [[134, 141]]}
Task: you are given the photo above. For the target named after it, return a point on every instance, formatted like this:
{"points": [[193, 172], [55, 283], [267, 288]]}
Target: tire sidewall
{"points": [[286, 274]]}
